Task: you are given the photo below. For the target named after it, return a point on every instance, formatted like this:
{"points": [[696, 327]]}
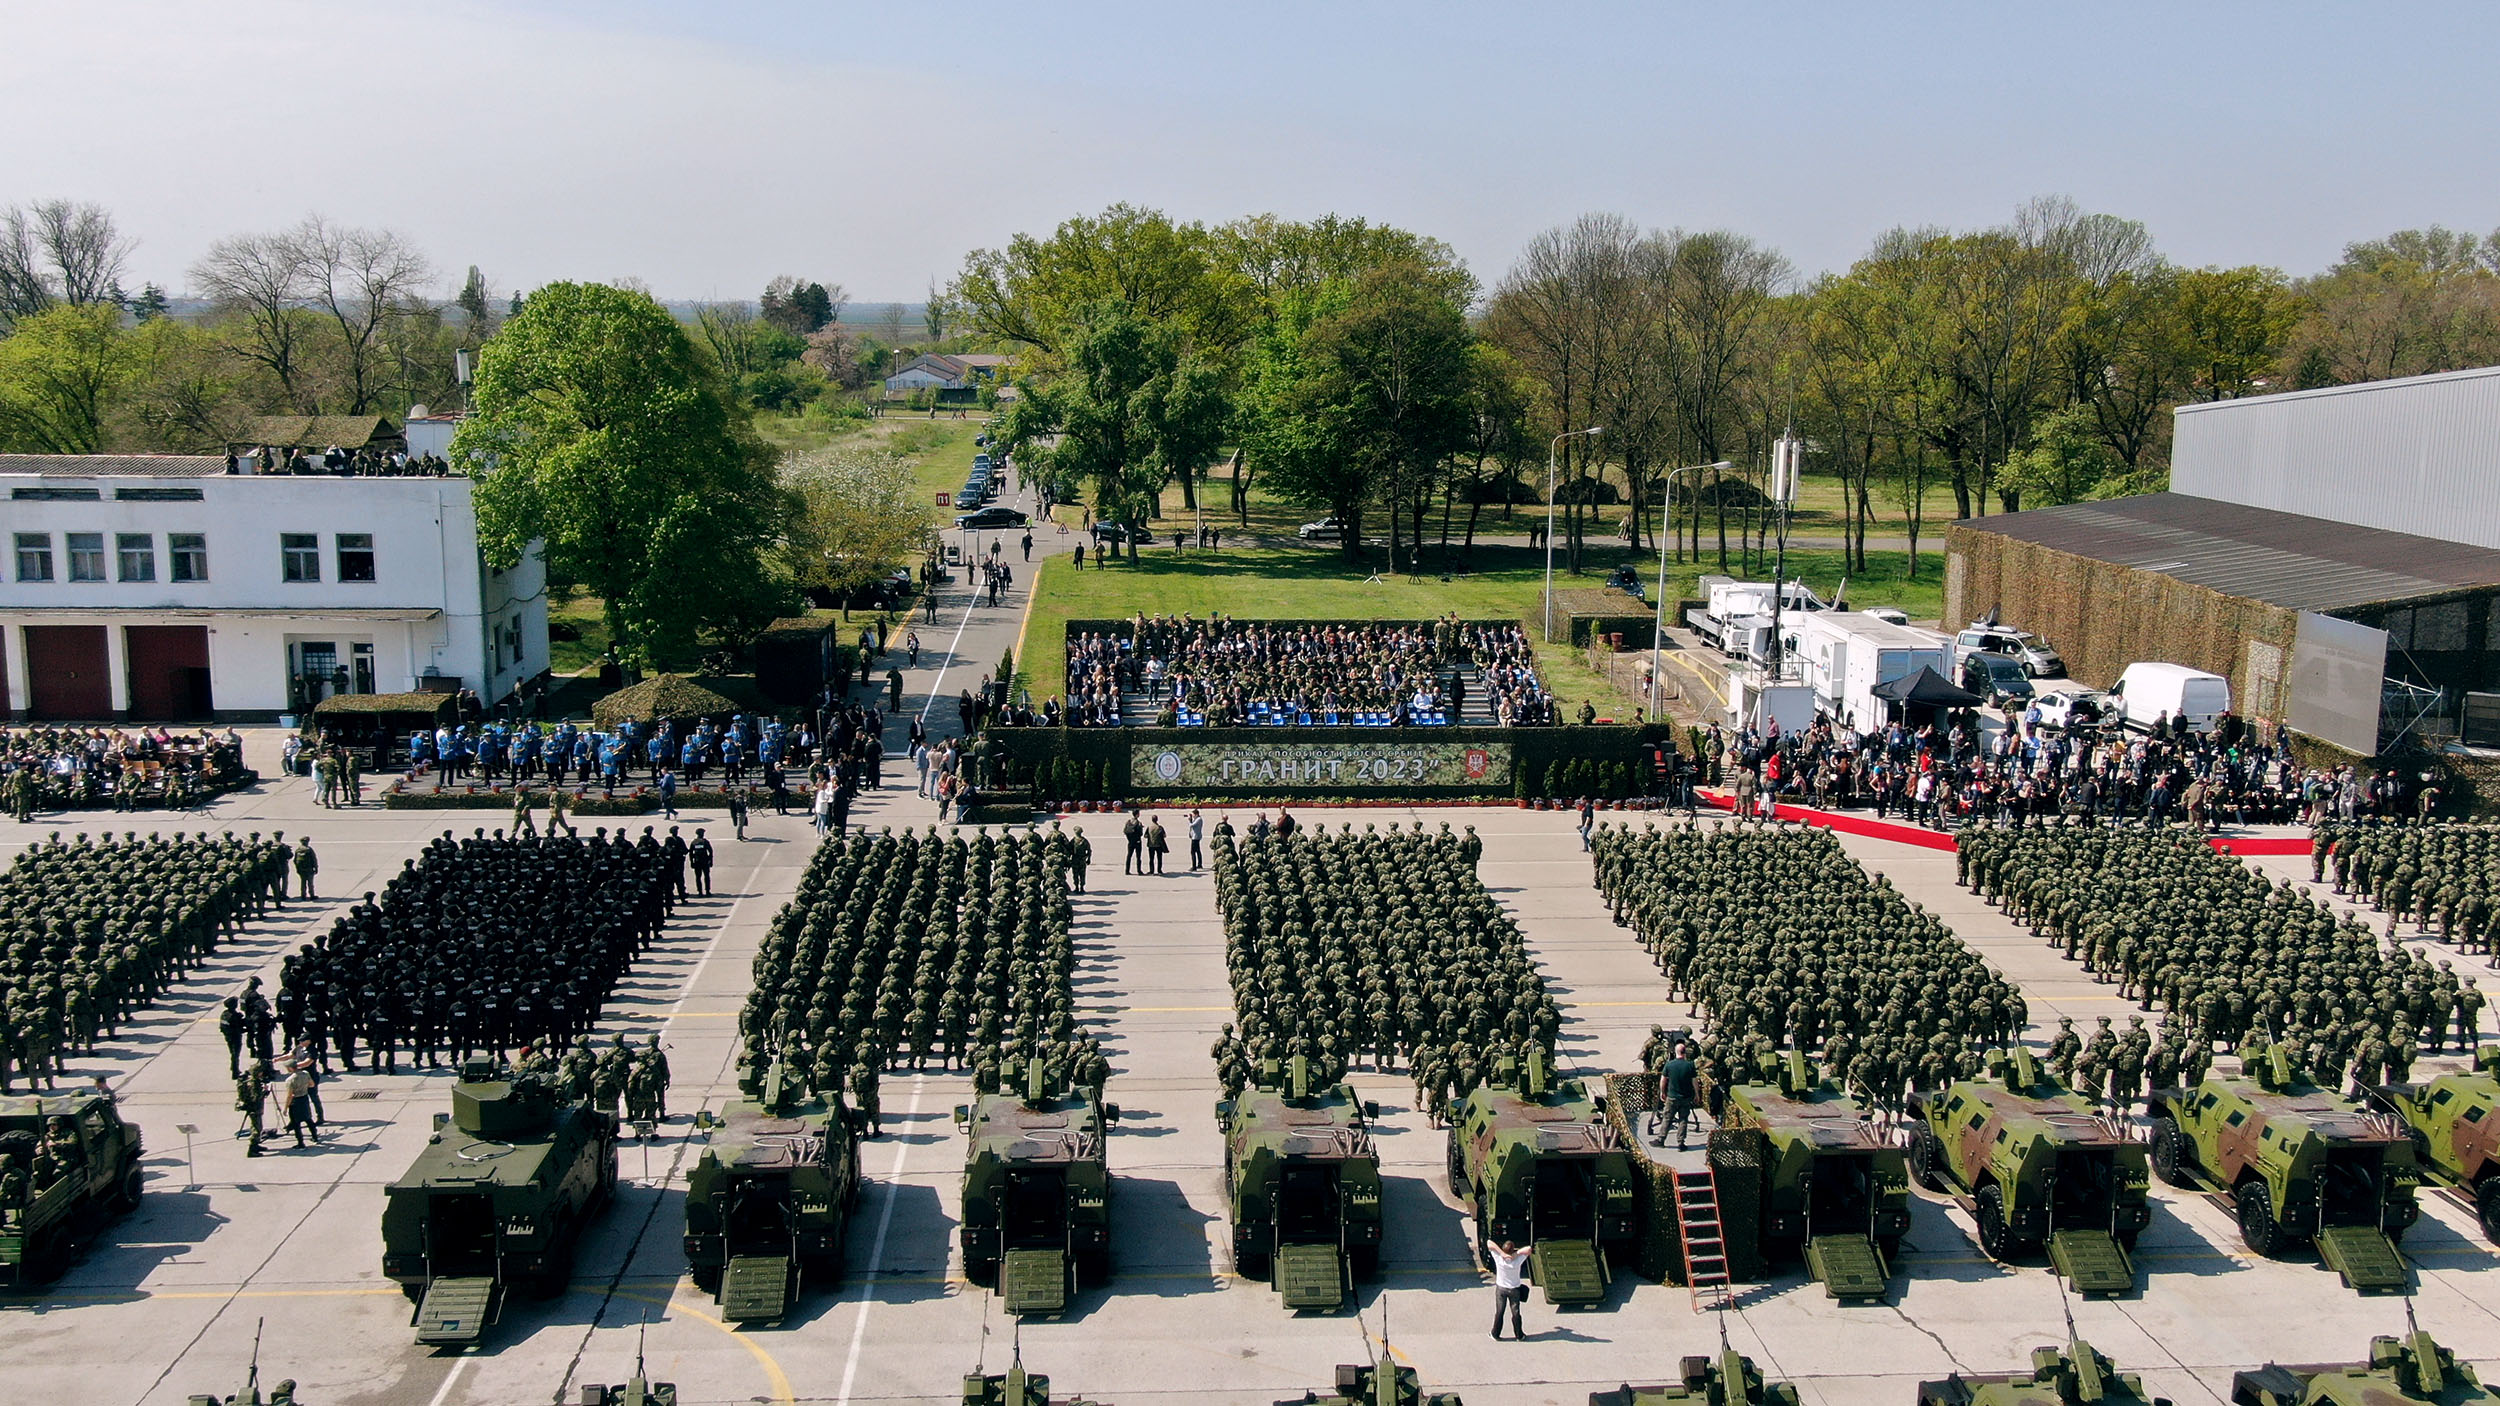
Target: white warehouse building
{"points": [[162, 587]]}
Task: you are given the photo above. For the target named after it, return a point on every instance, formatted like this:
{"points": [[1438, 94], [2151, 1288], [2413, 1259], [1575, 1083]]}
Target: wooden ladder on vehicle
{"points": [[1705, 1240]]}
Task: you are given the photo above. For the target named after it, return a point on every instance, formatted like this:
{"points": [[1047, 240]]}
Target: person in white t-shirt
{"points": [[1510, 1287]]}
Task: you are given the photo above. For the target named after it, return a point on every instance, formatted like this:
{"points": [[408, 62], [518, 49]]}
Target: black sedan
{"points": [[992, 517]]}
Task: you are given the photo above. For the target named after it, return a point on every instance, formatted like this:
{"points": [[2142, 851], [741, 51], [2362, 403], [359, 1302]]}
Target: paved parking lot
{"points": [[290, 1243]]}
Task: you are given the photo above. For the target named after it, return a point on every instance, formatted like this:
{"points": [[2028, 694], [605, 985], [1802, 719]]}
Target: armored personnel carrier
{"points": [[283, 1394], [497, 1199], [2455, 1135], [1037, 1192], [1541, 1166], [767, 1203], [1304, 1182], [2410, 1368], [2298, 1163], [1729, 1379], [72, 1165], [2076, 1376], [1834, 1189], [2036, 1165], [1013, 1387], [1379, 1382]]}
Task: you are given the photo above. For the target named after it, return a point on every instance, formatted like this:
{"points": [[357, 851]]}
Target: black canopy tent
{"points": [[1919, 695]]}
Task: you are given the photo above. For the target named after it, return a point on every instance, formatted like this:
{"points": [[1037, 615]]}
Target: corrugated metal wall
{"points": [[2419, 455]]}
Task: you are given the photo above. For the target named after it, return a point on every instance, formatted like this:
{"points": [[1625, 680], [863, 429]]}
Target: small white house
{"points": [[161, 587]]}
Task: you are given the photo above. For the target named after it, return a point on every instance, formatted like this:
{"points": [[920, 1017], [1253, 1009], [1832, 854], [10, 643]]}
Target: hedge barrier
{"points": [[1057, 764]]}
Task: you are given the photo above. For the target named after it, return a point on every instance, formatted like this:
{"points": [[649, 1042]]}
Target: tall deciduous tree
{"points": [[609, 438], [61, 373], [1130, 411], [58, 251]]}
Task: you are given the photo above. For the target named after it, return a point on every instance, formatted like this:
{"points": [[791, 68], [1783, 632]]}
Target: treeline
{"points": [[320, 318], [1363, 369]]}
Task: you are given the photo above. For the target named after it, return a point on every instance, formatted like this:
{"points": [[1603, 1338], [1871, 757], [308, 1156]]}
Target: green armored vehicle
{"points": [[2455, 1133], [1013, 1387], [283, 1394], [1834, 1189], [768, 1201], [1537, 1160], [2410, 1368], [1304, 1182], [498, 1198], [2299, 1164], [1729, 1379], [2040, 1167], [2078, 1376], [1037, 1193], [1379, 1382], [68, 1164]]}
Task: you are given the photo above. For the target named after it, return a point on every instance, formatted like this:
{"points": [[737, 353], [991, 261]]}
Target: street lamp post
{"points": [[1666, 527], [1549, 520]]}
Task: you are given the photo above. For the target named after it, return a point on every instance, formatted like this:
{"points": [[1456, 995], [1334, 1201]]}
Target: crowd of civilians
{"points": [[91, 768], [1226, 672]]}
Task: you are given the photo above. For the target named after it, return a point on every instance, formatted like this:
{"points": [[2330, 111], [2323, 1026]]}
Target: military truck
{"points": [[2077, 1376], [2455, 1135], [1834, 1189], [2036, 1165], [2410, 1368], [74, 1166], [1304, 1182], [1728, 1379], [768, 1201], [1536, 1160], [1379, 1382], [2299, 1164], [1037, 1192], [498, 1198]]}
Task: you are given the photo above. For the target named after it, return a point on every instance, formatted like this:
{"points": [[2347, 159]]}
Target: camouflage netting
{"points": [[2102, 616], [661, 697]]}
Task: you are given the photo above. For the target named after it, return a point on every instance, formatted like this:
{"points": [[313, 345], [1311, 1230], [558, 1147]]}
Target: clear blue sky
{"points": [[704, 148]]}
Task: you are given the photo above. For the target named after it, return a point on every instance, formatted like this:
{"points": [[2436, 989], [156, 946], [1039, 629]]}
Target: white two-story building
{"points": [[151, 587]]}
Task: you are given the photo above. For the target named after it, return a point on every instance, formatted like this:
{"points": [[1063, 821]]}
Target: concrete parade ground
{"points": [[167, 1302]]}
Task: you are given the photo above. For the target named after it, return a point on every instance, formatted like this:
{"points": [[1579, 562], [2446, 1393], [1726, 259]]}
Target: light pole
{"points": [[1549, 520], [1666, 528]]}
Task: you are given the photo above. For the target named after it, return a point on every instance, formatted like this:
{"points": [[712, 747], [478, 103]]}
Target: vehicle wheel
{"points": [[2487, 1206], [2258, 1226], [1094, 1266], [1250, 1264], [1927, 1159], [2170, 1151], [982, 1272], [1459, 1186], [414, 1292], [1993, 1239], [1484, 1243], [1366, 1262], [1891, 1246], [127, 1199], [707, 1278]]}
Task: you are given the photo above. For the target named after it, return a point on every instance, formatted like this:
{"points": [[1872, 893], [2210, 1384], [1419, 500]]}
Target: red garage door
{"points": [[66, 678], [168, 671]]}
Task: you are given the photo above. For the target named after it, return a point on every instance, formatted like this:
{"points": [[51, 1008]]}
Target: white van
{"points": [[2147, 692]]}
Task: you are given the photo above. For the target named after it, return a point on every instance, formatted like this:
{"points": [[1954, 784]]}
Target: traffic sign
{"points": [[945, 499]]}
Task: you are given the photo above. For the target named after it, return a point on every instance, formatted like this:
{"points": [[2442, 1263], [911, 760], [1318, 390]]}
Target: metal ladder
{"points": [[1705, 1242]]}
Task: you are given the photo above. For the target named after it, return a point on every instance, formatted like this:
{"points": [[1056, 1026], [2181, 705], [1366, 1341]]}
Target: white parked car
{"points": [[2074, 708], [1327, 529], [2021, 646]]}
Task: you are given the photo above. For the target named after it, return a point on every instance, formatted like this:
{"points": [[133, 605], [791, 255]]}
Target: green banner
{"points": [[1395, 759]]}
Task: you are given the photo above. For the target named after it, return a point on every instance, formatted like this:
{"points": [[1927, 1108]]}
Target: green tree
{"points": [[858, 516], [1130, 411], [613, 442], [1040, 292], [2069, 459], [1392, 369], [2233, 323], [61, 372]]}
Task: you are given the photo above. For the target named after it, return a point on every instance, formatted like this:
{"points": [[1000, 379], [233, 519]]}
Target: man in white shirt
{"points": [[1510, 1287]]}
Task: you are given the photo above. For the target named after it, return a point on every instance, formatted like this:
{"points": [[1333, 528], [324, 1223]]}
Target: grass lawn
{"points": [[1319, 583], [575, 611]]}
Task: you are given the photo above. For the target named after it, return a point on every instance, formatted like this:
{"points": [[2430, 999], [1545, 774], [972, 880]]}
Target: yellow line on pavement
{"points": [[780, 1380]]}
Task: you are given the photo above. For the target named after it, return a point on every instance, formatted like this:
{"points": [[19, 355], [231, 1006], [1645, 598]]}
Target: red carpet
{"points": [[1905, 834]]}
